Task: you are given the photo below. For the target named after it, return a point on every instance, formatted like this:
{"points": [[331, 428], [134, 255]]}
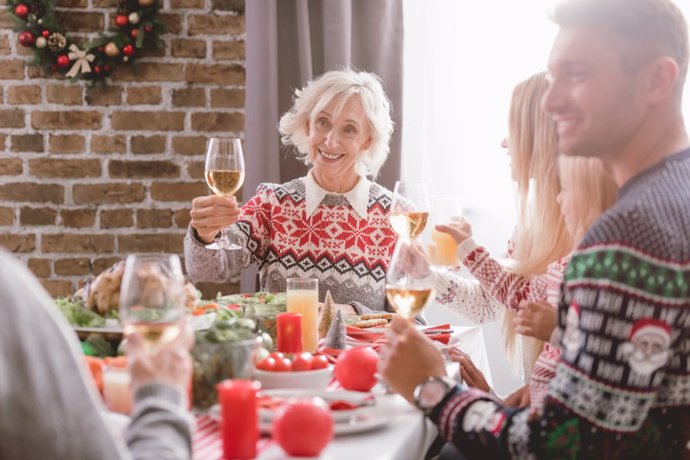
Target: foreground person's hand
{"points": [[408, 359], [171, 364], [212, 213], [472, 376]]}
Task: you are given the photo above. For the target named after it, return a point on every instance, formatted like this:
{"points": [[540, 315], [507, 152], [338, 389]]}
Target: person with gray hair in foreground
{"points": [[49, 405]]}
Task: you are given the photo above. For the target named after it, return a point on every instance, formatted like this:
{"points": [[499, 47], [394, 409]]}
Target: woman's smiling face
{"points": [[336, 141]]}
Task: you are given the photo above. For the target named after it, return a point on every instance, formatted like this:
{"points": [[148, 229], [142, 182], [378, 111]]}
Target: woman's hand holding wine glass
{"points": [[409, 284], [225, 175]]}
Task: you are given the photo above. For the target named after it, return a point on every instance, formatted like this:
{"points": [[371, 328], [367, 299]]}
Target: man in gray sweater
{"points": [[49, 406]]}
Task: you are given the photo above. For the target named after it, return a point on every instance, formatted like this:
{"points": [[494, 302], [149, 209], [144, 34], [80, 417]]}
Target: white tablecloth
{"points": [[408, 435]]}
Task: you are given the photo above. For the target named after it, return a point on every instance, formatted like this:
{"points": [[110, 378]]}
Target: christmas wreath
{"points": [[137, 26]]}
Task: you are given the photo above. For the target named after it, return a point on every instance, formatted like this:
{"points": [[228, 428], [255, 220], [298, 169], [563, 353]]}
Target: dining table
{"points": [[404, 434]]}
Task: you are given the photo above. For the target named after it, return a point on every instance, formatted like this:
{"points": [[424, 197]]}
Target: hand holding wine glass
{"points": [[152, 298], [225, 175]]}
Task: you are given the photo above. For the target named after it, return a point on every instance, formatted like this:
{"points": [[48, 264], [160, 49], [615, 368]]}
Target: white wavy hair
{"points": [[341, 85]]}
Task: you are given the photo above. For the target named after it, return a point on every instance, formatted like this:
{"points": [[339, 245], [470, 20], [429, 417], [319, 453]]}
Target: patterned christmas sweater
{"points": [[347, 253], [622, 385], [495, 289]]}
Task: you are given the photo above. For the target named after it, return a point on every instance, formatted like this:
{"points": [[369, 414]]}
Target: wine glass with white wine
{"points": [[409, 284], [225, 175], [410, 209], [152, 298]]}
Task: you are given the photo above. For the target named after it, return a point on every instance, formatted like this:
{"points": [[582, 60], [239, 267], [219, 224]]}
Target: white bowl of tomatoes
{"points": [[303, 370]]}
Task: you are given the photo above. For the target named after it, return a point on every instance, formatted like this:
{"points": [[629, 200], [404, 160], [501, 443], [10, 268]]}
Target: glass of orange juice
{"points": [[442, 249], [303, 297]]}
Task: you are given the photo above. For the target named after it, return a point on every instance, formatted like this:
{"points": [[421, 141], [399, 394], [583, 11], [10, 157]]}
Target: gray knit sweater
{"points": [[49, 407]]}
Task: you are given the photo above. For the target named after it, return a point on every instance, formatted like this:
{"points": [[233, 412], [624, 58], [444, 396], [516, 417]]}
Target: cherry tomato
{"points": [[278, 355], [319, 362], [356, 368], [268, 364], [282, 365], [302, 416], [302, 362]]}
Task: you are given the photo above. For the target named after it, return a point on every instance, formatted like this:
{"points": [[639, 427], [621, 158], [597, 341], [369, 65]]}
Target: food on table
{"points": [[223, 351], [327, 315], [298, 417], [262, 307], [97, 345], [355, 368], [371, 320], [102, 293], [73, 310], [279, 362]]}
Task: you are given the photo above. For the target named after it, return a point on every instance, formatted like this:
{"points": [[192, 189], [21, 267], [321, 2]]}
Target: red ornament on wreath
{"points": [[21, 10], [46, 33], [121, 20], [62, 61], [128, 50], [134, 33], [148, 29], [26, 38]]}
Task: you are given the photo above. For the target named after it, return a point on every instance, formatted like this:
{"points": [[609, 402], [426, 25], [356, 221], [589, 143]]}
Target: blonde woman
{"points": [[587, 190], [536, 256]]}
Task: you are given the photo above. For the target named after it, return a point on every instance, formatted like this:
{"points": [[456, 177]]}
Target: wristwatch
{"points": [[431, 392]]}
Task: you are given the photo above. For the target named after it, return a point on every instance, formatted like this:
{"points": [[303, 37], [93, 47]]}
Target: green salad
{"points": [[77, 315]]}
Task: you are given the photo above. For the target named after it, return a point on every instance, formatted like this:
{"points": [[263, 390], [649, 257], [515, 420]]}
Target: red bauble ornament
{"points": [[134, 33], [62, 61], [21, 10], [97, 69], [148, 29], [46, 33], [26, 38], [128, 50], [106, 68], [121, 20]]}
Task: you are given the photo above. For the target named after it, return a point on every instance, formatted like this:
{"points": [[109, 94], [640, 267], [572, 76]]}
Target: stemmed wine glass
{"points": [[152, 298], [409, 284], [409, 209], [225, 175]]}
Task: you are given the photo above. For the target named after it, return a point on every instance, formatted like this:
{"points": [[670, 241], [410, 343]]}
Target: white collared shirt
{"points": [[358, 197]]}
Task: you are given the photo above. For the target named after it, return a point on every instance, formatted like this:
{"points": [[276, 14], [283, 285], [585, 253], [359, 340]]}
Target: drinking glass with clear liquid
{"points": [[442, 249], [152, 298], [410, 209], [225, 175], [409, 281]]}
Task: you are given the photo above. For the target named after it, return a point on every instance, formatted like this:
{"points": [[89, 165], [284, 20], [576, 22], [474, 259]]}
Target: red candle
{"points": [[289, 332], [238, 425]]}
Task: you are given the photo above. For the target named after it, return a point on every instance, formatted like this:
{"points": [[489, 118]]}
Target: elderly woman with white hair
{"points": [[331, 224]]}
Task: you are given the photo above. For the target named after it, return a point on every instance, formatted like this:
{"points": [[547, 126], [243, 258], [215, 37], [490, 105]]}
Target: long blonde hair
{"points": [[541, 235], [592, 185]]}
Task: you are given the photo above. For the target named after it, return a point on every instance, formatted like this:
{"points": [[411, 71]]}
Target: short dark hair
{"points": [[651, 28]]}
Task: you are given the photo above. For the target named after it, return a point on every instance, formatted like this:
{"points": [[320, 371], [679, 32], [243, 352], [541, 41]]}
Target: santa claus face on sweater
{"points": [[647, 349]]}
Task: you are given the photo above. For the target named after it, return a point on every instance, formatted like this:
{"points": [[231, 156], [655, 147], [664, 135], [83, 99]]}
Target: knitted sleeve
{"points": [[251, 232], [621, 385]]}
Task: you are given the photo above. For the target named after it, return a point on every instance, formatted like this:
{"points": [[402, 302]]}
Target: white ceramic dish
{"points": [[369, 420], [315, 380], [366, 401]]}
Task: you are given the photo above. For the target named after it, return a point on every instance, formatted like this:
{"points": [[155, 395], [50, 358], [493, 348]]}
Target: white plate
{"points": [[113, 328], [353, 397], [357, 424]]}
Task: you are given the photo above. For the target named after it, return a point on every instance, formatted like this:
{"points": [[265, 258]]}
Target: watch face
{"points": [[431, 392]]}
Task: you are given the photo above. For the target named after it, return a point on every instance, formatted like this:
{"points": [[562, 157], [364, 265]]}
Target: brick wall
{"points": [[88, 176]]}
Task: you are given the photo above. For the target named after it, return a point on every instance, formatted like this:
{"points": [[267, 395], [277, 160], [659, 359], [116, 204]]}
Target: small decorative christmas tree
{"points": [[335, 338], [327, 315]]}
